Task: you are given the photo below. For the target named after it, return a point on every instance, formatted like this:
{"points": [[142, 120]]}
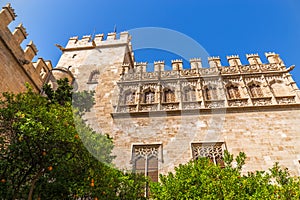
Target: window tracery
{"points": [[149, 96], [233, 92], [169, 96], [211, 93], [213, 151], [255, 90], [189, 94], [129, 98], [145, 160]]}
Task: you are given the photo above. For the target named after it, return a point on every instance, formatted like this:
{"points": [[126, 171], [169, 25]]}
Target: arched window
{"points": [[189, 94], [169, 96], [94, 76], [149, 97], [211, 93], [145, 161], [129, 98], [255, 90], [233, 92], [213, 151]]}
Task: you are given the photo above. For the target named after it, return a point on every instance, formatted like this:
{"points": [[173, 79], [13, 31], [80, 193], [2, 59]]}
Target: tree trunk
{"points": [[35, 179]]}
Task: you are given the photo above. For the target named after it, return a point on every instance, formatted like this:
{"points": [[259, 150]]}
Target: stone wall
{"points": [[16, 64], [266, 136]]}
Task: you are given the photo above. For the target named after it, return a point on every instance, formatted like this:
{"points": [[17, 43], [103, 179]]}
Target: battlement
{"points": [[254, 65], [21, 59], [88, 41]]}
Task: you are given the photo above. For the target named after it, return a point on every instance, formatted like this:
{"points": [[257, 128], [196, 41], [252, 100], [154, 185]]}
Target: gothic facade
{"points": [[162, 118]]}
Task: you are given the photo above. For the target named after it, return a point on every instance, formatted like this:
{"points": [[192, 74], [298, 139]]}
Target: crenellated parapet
{"points": [[20, 65], [99, 40], [234, 68], [181, 88]]}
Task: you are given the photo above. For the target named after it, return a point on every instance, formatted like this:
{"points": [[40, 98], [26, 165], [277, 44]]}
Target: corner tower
{"points": [[96, 64]]}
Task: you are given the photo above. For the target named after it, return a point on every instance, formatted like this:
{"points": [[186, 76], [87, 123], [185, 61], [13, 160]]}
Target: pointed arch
{"points": [[149, 95], [129, 97], [189, 93], [211, 92], [169, 95], [233, 91], [255, 89]]}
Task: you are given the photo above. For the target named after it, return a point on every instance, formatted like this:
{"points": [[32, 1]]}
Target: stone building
{"points": [[162, 118], [16, 64]]}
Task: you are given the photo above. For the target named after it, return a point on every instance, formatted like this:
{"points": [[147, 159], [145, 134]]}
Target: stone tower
{"points": [[16, 64], [96, 64]]}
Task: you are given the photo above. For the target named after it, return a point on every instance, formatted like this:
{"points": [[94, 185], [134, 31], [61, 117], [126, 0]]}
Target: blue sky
{"points": [[221, 27]]}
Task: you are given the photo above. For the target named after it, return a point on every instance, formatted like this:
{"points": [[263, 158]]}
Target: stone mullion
{"points": [[159, 95], [224, 91], [200, 89], [247, 89], [178, 90], [138, 97]]}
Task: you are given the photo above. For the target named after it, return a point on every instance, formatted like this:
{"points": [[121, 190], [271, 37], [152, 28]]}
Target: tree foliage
{"points": [[42, 152], [201, 179]]}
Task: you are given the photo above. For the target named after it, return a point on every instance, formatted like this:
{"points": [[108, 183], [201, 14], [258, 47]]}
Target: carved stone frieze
{"points": [[209, 71], [150, 75], [191, 105], [189, 73], [249, 68], [262, 101], [170, 106], [215, 104], [229, 70], [270, 67], [148, 107], [237, 102], [131, 76], [169, 74], [286, 100]]}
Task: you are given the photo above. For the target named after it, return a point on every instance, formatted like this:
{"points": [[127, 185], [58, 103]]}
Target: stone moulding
{"points": [[207, 111]]}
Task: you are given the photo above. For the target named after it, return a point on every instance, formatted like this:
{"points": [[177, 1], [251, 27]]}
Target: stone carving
{"points": [[262, 101], [213, 151], [235, 84], [148, 107], [237, 102], [189, 73], [150, 75], [191, 105], [170, 106], [145, 151], [229, 70], [286, 100], [270, 67], [169, 74], [215, 104]]}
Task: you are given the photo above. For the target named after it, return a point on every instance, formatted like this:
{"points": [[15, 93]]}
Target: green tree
{"points": [[201, 179], [42, 152]]}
